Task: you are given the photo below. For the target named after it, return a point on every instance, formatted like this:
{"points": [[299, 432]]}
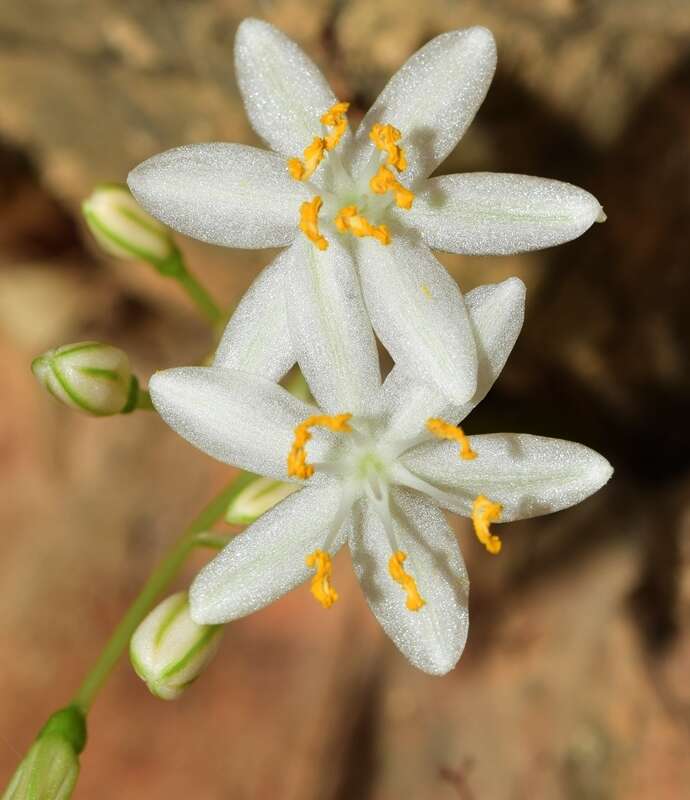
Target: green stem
{"points": [[201, 297], [154, 586]]}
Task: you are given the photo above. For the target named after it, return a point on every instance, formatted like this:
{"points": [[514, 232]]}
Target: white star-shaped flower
{"points": [[358, 213], [377, 480]]}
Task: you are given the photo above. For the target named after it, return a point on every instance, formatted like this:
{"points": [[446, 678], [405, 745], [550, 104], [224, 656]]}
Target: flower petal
{"points": [[238, 418], [268, 558], [528, 475], [331, 332], [284, 92], [496, 312], [228, 194], [419, 315], [257, 338], [432, 638], [432, 99], [487, 213]]}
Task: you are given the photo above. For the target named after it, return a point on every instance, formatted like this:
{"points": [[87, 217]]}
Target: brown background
{"points": [[574, 683]]}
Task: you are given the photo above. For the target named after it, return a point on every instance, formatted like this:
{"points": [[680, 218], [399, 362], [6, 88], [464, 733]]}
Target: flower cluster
{"points": [[374, 462]]}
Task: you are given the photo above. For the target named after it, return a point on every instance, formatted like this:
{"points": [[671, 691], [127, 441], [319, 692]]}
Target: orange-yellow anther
{"points": [[484, 512], [321, 586], [309, 222], [335, 118], [384, 181], [349, 219], [395, 566], [313, 155], [297, 466], [386, 138], [444, 430]]}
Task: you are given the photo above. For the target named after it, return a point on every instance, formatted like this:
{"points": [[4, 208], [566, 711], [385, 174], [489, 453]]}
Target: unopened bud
{"points": [[169, 650], [124, 230], [51, 767], [90, 376], [256, 498]]}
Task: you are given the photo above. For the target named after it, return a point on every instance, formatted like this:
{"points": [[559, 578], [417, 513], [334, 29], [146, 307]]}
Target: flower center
{"points": [[364, 469], [351, 206]]}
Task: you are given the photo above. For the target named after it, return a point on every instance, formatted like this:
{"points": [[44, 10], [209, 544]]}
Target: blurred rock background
{"points": [[574, 684]]}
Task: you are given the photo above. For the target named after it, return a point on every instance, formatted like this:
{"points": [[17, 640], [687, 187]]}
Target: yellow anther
{"points": [[384, 181], [484, 512], [309, 222], [348, 219], [297, 466], [395, 566], [335, 118], [386, 138], [321, 586], [444, 430], [313, 155]]}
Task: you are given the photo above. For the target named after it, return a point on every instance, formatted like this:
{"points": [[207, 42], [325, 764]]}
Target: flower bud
{"points": [[256, 498], [124, 230], [169, 650], [90, 376], [51, 767]]}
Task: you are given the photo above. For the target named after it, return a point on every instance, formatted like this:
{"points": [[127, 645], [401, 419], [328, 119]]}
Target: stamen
{"points": [[484, 512], [309, 222], [313, 155], [321, 586], [297, 466], [385, 181], [386, 138], [335, 118], [395, 566], [348, 219], [444, 430]]}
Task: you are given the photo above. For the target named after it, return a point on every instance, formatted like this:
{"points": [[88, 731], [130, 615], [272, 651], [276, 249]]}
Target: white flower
{"points": [[380, 479], [358, 212]]}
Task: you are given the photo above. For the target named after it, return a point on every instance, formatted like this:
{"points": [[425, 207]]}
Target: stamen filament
{"points": [[349, 219], [386, 138], [309, 222], [484, 512], [384, 181], [414, 600], [321, 586], [444, 430], [297, 466]]}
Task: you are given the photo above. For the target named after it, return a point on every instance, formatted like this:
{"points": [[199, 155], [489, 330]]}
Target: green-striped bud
{"points": [[51, 767], [256, 498], [90, 376], [169, 650], [124, 230]]}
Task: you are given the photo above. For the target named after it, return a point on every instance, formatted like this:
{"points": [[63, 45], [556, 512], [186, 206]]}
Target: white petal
{"points": [[496, 312], [419, 315], [257, 338], [432, 99], [284, 92], [528, 475], [228, 194], [268, 558], [487, 213], [330, 328], [238, 418], [432, 638]]}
